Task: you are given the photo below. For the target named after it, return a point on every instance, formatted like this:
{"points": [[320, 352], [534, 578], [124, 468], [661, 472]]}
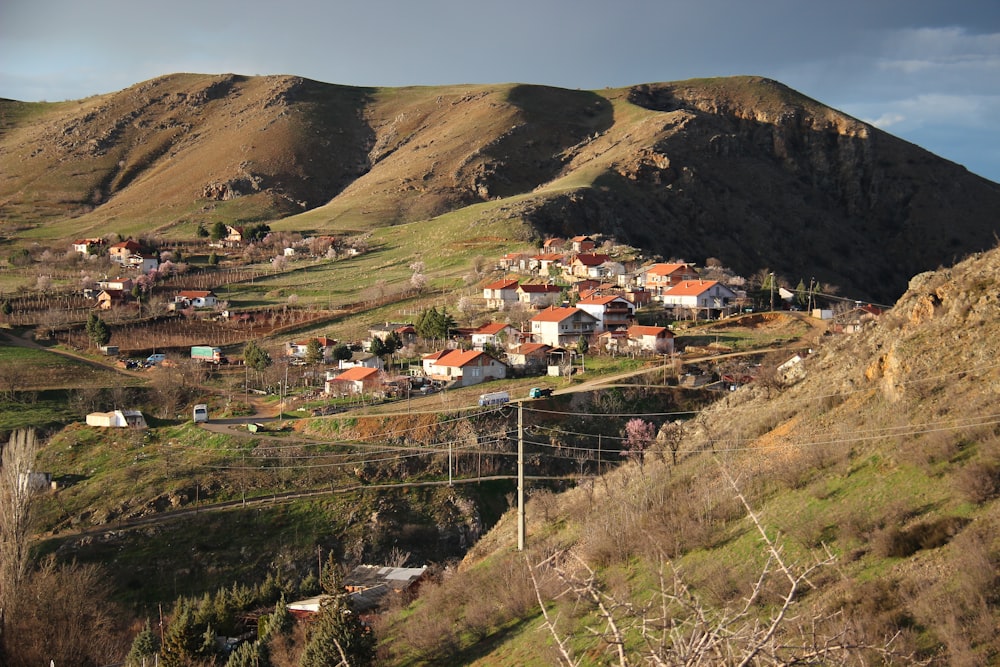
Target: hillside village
{"points": [[535, 314], [834, 502]]}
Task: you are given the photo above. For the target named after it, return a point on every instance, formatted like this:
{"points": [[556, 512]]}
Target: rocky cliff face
{"points": [[742, 169]]}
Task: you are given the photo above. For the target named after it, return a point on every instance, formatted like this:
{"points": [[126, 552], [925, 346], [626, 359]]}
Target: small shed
{"points": [[117, 419]]}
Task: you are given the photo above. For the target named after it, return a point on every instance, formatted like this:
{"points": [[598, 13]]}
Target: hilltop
{"points": [[743, 169]]}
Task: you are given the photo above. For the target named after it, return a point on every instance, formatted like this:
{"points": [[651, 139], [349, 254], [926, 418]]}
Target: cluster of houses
{"points": [[677, 286], [604, 299], [129, 254]]}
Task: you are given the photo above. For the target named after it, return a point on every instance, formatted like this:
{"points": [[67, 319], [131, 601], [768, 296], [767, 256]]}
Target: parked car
{"points": [[154, 359]]}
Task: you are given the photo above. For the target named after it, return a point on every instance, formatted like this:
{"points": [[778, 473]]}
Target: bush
{"points": [[895, 542], [979, 481]]}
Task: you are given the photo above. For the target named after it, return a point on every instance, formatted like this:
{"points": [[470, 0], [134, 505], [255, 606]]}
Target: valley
{"points": [[783, 452]]}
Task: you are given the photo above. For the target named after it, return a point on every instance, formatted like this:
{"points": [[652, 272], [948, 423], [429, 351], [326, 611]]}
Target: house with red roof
{"points": [[406, 332], [357, 380], [299, 348], [538, 296], [708, 297], [562, 327], [122, 252], [612, 312], [500, 293], [494, 334], [463, 368], [582, 243], [661, 277], [588, 265], [651, 339], [529, 357]]}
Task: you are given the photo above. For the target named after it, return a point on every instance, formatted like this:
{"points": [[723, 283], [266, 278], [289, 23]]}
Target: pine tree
{"points": [[256, 357], [377, 347], [145, 645], [337, 637], [281, 621], [97, 331], [218, 231], [184, 640], [249, 654], [314, 351]]}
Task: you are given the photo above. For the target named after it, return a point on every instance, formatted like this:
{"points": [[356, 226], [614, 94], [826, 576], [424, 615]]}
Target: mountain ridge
{"points": [[744, 169]]}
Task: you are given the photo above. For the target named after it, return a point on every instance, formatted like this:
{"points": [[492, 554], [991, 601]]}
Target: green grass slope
{"points": [[856, 510]]}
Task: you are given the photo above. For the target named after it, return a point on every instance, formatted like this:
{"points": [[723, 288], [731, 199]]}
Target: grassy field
{"points": [[32, 369]]}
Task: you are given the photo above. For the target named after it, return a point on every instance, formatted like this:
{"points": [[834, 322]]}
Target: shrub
{"points": [[979, 481], [896, 542]]}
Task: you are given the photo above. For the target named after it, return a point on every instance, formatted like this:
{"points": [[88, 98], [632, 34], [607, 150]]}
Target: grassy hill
{"points": [[876, 475], [742, 169], [871, 485]]}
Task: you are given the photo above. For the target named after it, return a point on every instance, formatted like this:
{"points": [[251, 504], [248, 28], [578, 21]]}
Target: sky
{"points": [[927, 71]]}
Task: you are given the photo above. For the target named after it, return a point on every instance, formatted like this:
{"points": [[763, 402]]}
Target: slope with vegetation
{"points": [[739, 168], [850, 518], [855, 509]]}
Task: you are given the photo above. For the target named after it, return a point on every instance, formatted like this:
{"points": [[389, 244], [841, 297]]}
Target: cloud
{"points": [[886, 120]]}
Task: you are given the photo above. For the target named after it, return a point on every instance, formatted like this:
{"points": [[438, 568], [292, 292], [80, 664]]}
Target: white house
{"points": [[117, 284], [357, 380], [144, 262], [463, 367], [538, 296], [545, 262], [500, 293], [611, 312], [561, 327], [708, 296], [366, 359], [84, 246], [494, 334], [299, 348], [195, 298], [651, 339]]}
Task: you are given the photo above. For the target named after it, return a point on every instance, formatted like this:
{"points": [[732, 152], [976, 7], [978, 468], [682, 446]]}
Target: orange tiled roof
{"points": [[492, 328], [502, 284], [357, 373], [557, 314], [691, 287]]}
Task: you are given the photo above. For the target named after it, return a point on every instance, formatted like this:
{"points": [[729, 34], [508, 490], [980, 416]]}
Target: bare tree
{"points": [[676, 627], [15, 519]]}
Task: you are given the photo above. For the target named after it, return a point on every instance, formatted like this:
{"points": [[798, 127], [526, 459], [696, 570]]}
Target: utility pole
{"points": [[520, 476], [772, 291]]}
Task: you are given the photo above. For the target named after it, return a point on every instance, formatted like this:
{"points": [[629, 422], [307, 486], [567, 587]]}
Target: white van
{"points": [[200, 413]]}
